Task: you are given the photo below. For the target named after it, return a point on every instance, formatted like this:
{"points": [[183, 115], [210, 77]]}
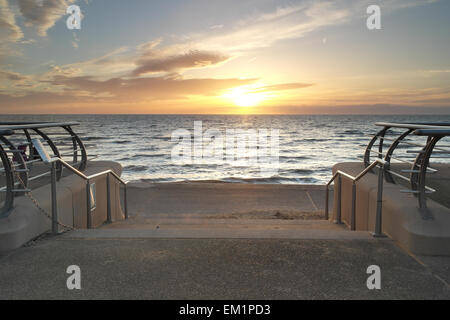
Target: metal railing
{"points": [[434, 132], [339, 174], [420, 166], [22, 149], [88, 179], [19, 157]]}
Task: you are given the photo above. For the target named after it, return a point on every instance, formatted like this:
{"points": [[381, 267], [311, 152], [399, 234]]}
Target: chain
{"points": [[42, 210]]}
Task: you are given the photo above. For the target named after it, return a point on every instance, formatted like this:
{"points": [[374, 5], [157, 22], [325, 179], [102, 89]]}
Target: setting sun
{"points": [[244, 97]]}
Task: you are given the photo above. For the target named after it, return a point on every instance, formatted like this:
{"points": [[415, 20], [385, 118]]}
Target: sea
{"points": [[308, 145]]}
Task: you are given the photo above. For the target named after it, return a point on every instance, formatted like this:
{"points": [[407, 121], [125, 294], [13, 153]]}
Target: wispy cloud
{"points": [[9, 30], [217, 26], [290, 22], [43, 14], [12, 76], [175, 63], [264, 30], [149, 88]]}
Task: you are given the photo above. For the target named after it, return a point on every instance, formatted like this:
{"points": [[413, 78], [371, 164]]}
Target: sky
{"points": [[225, 57]]}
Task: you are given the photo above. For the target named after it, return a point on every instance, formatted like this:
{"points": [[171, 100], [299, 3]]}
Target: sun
{"points": [[244, 97]]}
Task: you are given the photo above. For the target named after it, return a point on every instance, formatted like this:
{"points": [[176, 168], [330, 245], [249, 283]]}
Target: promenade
{"points": [[192, 249]]}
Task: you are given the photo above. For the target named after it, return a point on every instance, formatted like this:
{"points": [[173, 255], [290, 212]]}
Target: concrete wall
{"points": [[402, 218], [26, 222]]}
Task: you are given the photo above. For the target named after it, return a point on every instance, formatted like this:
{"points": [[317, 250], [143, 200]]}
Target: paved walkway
{"points": [[147, 268], [211, 241]]}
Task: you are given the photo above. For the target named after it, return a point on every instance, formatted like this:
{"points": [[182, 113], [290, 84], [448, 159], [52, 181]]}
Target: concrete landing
{"points": [[215, 269], [207, 199], [224, 210]]}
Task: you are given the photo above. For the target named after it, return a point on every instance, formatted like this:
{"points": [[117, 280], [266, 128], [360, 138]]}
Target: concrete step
{"points": [[221, 229]]}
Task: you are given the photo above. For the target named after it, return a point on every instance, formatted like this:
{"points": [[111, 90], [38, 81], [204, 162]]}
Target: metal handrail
{"points": [[425, 125], [17, 160], [88, 190], [32, 125], [338, 174], [420, 165], [432, 132]]}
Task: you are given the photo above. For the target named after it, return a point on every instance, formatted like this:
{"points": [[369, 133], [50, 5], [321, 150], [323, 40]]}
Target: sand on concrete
{"points": [[226, 210], [226, 201]]}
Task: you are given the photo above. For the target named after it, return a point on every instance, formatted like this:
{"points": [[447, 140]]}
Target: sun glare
{"points": [[244, 97]]}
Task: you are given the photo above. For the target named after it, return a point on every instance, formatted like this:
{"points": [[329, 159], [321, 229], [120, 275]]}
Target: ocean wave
{"points": [[136, 168], [299, 171], [89, 138], [269, 180], [352, 131]]}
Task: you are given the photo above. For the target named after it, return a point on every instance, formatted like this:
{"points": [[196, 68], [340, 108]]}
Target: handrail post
{"points": [[378, 222], [54, 199], [108, 200], [353, 223], [326, 202], [88, 204], [125, 201], [339, 202]]}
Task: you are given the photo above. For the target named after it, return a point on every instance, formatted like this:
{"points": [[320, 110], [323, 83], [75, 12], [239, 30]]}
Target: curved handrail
{"points": [[424, 125], [419, 168], [25, 159], [32, 125]]}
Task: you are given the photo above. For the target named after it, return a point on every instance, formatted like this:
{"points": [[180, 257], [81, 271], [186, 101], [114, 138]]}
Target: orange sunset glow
{"points": [[283, 57]]}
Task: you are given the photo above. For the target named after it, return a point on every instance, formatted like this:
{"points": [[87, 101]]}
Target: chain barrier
{"points": [[42, 210]]}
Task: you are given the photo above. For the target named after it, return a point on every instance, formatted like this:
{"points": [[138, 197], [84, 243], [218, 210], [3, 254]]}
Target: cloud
{"points": [[174, 63], [369, 109], [12, 76], [148, 88], [9, 30], [285, 86], [438, 71], [263, 30], [43, 14], [115, 63]]}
